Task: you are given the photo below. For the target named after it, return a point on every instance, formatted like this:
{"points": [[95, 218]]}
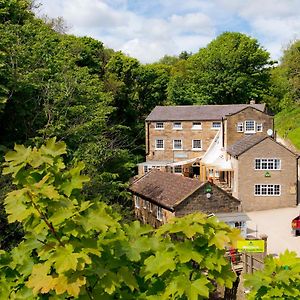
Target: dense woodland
{"points": [[96, 99]]}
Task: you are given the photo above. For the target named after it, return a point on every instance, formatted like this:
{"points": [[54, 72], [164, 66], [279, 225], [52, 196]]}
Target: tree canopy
{"points": [[233, 68], [76, 247]]}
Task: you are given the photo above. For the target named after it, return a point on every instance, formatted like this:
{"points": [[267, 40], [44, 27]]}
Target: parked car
{"points": [[296, 225]]}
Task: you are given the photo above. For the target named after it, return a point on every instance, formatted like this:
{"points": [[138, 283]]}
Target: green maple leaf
{"points": [[159, 264], [198, 288], [15, 206], [54, 148], [76, 181], [65, 259], [127, 277], [220, 239]]}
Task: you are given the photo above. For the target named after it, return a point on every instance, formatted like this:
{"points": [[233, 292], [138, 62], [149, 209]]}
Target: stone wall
{"points": [[186, 134], [220, 202], [231, 134]]}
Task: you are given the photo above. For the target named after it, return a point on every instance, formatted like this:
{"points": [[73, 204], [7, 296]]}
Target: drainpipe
{"points": [[223, 133], [148, 138]]}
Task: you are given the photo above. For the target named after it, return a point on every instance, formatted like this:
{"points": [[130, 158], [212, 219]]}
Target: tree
{"points": [[74, 247], [233, 68], [280, 278]]}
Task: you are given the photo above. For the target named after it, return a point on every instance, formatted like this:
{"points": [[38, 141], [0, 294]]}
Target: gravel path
{"points": [[276, 224]]}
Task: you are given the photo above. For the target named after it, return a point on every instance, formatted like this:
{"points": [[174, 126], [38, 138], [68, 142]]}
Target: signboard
{"points": [[180, 155], [254, 246]]}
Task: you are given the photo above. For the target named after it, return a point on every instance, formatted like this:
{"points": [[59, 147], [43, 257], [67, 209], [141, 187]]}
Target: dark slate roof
{"points": [[165, 189], [245, 144], [198, 112]]}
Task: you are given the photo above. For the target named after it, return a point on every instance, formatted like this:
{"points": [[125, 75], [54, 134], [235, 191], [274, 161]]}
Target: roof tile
{"points": [[198, 112], [164, 188]]}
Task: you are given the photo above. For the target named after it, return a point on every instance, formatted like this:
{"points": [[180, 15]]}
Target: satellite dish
{"points": [[270, 132]]}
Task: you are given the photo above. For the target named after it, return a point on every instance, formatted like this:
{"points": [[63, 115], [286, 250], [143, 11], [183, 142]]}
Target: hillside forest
{"points": [[96, 99], [58, 92]]}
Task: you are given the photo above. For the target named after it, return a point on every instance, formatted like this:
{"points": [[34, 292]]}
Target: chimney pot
{"points": [[252, 101]]}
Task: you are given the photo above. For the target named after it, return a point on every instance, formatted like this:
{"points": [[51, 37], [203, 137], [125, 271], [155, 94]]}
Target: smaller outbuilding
{"points": [[159, 196]]}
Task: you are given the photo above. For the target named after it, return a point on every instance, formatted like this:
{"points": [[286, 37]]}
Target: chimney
{"points": [[252, 101]]}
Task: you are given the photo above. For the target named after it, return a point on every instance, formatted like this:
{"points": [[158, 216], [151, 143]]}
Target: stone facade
{"points": [[219, 202], [245, 177], [231, 135], [148, 215], [187, 134]]}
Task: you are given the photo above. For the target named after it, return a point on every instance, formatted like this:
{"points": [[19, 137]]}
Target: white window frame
{"points": [[163, 144], [259, 127], [214, 127], [240, 127], [177, 171], [137, 202], [159, 127], [196, 148], [263, 164], [267, 190], [177, 125], [254, 126], [197, 126], [181, 144], [159, 213]]}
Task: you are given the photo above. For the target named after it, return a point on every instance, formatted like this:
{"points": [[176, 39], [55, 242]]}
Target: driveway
{"points": [[276, 224]]}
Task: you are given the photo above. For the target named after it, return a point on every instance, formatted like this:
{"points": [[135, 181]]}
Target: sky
{"points": [[150, 29]]}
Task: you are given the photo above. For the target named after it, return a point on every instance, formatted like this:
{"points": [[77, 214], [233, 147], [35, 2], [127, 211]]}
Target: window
{"points": [[159, 144], [197, 125], [177, 144], [137, 202], [240, 127], [259, 127], [267, 164], [250, 126], [145, 203], [159, 213], [177, 125], [159, 125], [178, 169], [150, 207], [145, 169], [216, 125], [197, 145], [267, 190]]}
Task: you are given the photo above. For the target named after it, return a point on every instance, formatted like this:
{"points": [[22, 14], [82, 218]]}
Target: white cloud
{"points": [[148, 30]]}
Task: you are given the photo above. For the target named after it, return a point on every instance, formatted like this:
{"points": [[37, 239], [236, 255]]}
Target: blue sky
{"points": [[149, 29]]}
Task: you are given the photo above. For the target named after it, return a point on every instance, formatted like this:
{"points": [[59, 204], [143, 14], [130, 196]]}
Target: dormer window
{"points": [[249, 126], [177, 125], [159, 125]]}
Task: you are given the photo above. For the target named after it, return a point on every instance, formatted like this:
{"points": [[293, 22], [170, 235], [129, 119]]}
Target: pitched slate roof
{"points": [[198, 112], [245, 144], [165, 189]]}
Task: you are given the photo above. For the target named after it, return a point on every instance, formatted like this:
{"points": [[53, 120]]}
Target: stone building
{"points": [[230, 145], [176, 136], [265, 173], [159, 196]]}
